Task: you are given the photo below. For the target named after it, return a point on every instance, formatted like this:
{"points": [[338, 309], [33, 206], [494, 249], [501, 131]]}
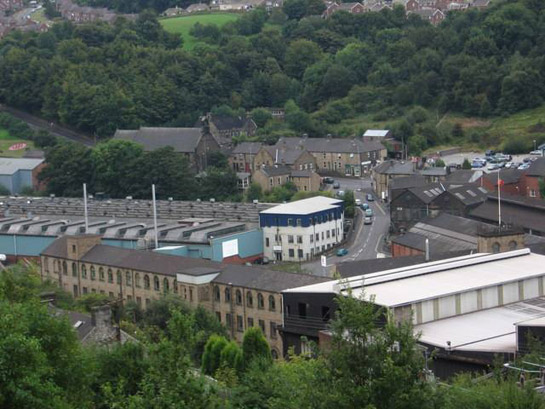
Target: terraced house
{"points": [[240, 296]]}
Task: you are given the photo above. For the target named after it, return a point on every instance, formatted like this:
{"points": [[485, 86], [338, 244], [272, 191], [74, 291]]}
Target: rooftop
{"points": [[305, 206], [377, 133], [181, 139], [247, 147], [334, 145], [491, 330], [9, 166], [391, 167], [537, 168], [421, 282]]}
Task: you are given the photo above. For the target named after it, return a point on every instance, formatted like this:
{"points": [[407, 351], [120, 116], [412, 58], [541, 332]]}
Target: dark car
{"points": [[328, 180], [336, 185], [490, 152], [370, 197]]}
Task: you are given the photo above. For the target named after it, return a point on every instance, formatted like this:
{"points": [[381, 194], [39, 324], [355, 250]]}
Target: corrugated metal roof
{"points": [[9, 166]]}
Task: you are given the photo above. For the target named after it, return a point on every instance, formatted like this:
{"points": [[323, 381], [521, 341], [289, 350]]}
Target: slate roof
{"points": [[301, 173], [428, 192], [181, 139], [434, 171], [438, 245], [8, 166], [408, 182], [537, 168], [285, 156], [469, 195], [391, 167], [141, 260], [225, 123], [462, 176], [332, 145], [518, 211], [248, 147], [278, 170], [508, 176], [347, 6], [260, 278], [359, 267]]}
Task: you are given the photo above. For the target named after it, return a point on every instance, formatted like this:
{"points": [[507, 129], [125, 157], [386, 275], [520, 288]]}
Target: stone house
{"points": [[412, 5], [243, 156], [198, 7], [240, 296], [337, 155], [383, 174], [293, 157], [195, 144], [225, 128], [431, 14], [269, 177], [529, 185], [352, 8]]}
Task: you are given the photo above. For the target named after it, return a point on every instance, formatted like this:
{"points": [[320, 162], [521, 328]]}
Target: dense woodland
{"points": [[98, 77], [43, 365]]}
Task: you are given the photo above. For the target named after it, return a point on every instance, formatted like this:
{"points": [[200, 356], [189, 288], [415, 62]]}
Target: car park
{"points": [[342, 252], [367, 220], [370, 197]]}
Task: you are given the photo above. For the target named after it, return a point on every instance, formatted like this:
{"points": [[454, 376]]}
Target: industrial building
{"points": [[467, 309], [302, 229], [18, 173]]}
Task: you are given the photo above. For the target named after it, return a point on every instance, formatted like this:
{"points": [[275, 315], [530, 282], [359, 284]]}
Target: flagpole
{"points": [[154, 216], [85, 208], [499, 200]]}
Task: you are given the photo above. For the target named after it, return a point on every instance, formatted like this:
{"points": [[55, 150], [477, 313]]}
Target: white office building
{"points": [[300, 230]]}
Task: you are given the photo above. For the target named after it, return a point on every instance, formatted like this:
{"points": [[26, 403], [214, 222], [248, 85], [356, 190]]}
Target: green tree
{"points": [[254, 192], [440, 163], [349, 203], [466, 164], [255, 347], [261, 116], [218, 184], [231, 356], [300, 55]]}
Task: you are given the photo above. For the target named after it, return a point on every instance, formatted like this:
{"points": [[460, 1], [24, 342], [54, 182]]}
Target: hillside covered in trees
{"points": [[333, 75]]}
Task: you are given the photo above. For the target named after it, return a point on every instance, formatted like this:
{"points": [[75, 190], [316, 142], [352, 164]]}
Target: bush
{"points": [[212, 354], [466, 164], [517, 145], [4, 191]]}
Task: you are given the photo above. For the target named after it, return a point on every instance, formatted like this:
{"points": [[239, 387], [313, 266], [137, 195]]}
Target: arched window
{"points": [[84, 271], [146, 282], [175, 286], [512, 245], [156, 286], [166, 285], [64, 268], [249, 299], [185, 292], [137, 280], [227, 293], [74, 270], [93, 274], [496, 247], [260, 301], [128, 278], [118, 277], [238, 297], [100, 273], [217, 296], [110, 276], [272, 303]]}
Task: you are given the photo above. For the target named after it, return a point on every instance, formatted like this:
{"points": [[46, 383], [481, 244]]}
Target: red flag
{"points": [[500, 182]]}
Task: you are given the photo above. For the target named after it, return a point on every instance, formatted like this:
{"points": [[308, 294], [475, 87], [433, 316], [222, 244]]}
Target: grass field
{"points": [[182, 25], [6, 141]]}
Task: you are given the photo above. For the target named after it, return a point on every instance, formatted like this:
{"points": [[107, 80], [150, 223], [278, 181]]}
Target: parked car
{"points": [[493, 166], [477, 163], [509, 165], [340, 193], [537, 152], [365, 206], [342, 252], [358, 202], [524, 166], [490, 152], [370, 197], [261, 260], [368, 220], [369, 212], [328, 180], [336, 185]]}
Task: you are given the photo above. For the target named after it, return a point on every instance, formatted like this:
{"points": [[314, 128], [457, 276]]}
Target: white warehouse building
{"points": [[300, 230]]}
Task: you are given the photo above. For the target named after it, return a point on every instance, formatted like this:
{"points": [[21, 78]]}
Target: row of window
{"points": [[292, 222], [272, 332], [291, 239], [109, 276], [249, 298]]}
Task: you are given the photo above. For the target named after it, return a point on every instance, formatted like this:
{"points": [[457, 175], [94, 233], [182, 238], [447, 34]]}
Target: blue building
{"points": [[300, 230], [17, 173]]}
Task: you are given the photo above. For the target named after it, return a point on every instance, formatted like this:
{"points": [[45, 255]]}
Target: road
{"points": [[368, 238], [54, 129]]}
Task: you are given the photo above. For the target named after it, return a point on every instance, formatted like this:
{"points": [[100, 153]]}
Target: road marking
{"points": [[380, 208]]}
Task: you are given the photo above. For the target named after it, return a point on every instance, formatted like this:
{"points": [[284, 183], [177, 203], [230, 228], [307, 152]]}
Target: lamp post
{"points": [[535, 145]]}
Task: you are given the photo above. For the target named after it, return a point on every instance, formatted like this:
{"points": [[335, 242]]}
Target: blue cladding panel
{"points": [[282, 220], [250, 243]]}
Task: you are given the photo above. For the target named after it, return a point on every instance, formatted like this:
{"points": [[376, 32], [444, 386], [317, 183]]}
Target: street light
{"points": [[535, 145]]}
